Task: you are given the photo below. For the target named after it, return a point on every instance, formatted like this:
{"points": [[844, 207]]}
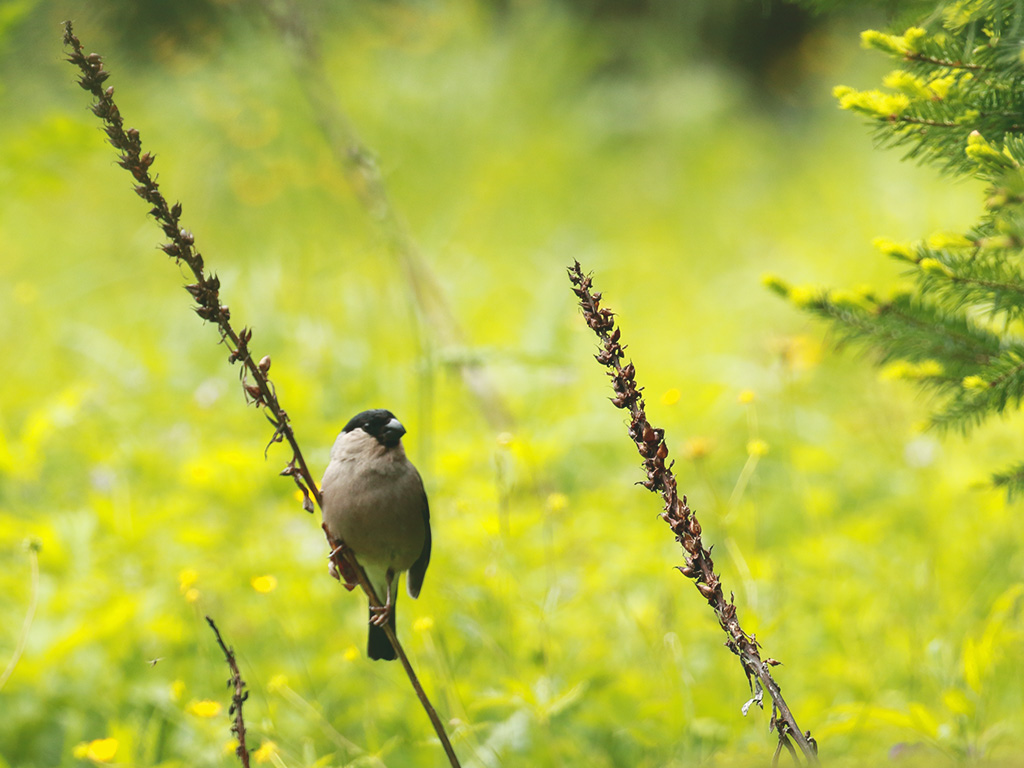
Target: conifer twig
{"points": [[256, 385], [238, 697], [699, 567]]}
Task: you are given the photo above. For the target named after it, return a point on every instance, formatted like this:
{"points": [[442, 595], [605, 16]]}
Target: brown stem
{"points": [[339, 548], [650, 442], [258, 390], [237, 699], [945, 63]]}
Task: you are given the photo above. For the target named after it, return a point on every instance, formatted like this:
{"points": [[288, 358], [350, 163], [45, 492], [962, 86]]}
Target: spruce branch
{"points": [[935, 61], [956, 78], [1010, 479], [699, 566], [902, 328], [991, 390], [256, 384], [237, 699]]}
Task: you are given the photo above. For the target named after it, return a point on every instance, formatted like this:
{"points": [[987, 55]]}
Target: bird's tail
{"points": [[377, 645]]}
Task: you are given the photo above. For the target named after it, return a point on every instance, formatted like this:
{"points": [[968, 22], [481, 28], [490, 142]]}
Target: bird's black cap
{"points": [[379, 423]]}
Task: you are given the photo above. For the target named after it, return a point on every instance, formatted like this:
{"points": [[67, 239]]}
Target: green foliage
{"points": [[959, 74], [552, 628], [956, 102]]}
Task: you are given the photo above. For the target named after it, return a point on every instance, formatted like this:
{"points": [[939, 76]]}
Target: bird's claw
{"points": [[379, 615]]}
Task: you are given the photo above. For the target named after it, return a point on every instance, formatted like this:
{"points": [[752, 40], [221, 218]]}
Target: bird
{"points": [[374, 501]]}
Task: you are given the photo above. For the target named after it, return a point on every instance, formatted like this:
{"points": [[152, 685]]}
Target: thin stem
{"points": [[237, 699], [945, 62], [256, 385], [923, 121], [340, 549], [699, 567], [33, 547]]}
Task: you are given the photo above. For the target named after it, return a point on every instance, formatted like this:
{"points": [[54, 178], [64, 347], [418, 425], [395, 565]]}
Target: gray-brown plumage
{"points": [[373, 499]]}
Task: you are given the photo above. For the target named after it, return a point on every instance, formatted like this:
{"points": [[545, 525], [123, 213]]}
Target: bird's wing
{"points": [[419, 568]]}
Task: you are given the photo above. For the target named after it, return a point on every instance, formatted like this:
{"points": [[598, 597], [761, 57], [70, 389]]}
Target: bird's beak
{"points": [[393, 432]]}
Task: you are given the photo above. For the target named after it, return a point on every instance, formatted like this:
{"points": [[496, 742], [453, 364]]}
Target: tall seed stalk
{"points": [[256, 384]]}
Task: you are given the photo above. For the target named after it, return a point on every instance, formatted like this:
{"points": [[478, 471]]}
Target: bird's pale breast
{"points": [[378, 513]]}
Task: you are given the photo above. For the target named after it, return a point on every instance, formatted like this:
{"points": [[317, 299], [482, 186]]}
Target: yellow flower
{"points": [[187, 579], [192, 596], [177, 689], [746, 397], [264, 584], [671, 396], [800, 353], [974, 382], [351, 653], [757, 448], [423, 624], [266, 752], [205, 708], [556, 502], [97, 750], [697, 448]]}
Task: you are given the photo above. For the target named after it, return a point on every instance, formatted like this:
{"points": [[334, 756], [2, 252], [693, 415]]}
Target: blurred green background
{"points": [[677, 150]]}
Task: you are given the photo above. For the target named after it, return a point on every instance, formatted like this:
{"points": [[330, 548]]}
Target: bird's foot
{"points": [[345, 574], [380, 614]]}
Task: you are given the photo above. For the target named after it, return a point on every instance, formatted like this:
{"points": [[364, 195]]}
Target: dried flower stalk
{"points": [[237, 698], [256, 385], [699, 567]]}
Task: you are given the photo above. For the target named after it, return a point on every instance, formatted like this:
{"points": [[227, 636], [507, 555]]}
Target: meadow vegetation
{"points": [[869, 555]]}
